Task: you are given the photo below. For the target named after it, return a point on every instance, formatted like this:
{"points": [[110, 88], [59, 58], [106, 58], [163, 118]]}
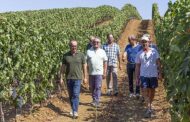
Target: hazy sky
{"points": [[143, 6]]}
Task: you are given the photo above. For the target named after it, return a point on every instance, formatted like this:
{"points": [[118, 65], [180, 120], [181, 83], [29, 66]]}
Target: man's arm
{"points": [[119, 57], [105, 69], [85, 73], [124, 56], [62, 71], [119, 61]]}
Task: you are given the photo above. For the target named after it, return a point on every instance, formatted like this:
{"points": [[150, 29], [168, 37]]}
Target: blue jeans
{"points": [[96, 84], [131, 72], [74, 92]]}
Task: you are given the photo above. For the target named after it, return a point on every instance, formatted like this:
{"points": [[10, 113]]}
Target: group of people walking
{"points": [[102, 62]]}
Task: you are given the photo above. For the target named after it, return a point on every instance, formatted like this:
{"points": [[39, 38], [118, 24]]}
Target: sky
{"points": [[144, 7]]}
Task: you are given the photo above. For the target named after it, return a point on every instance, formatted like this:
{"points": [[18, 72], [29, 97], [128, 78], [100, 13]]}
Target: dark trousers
{"points": [[131, 72]]}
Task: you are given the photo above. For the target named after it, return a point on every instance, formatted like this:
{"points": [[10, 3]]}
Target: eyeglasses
{"points": [[144, 41], [73, 45], [96, 42]]}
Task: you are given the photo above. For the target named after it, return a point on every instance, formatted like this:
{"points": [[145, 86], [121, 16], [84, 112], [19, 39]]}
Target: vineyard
{"points": [[173, 38], [33, 42]]}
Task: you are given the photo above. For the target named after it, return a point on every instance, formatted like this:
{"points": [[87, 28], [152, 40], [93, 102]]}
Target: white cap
{"points": [[147, 35], [145, 38]]}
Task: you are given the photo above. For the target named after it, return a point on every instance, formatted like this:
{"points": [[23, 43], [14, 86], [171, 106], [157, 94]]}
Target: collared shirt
{"points": [[95, 60], [112, 52], [73, 63], [148, 67], [132, 52]]}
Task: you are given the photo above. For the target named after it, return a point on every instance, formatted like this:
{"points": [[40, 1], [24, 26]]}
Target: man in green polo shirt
{"points": [[74, 66]]}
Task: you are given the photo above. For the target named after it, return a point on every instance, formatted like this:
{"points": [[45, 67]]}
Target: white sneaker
{"points": [[71, 113], [109, 93], [131, 95], [75, 114]]}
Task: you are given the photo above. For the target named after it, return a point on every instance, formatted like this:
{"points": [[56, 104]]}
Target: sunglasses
{"points": [[73, 45], [96, 42], [144, 41]]}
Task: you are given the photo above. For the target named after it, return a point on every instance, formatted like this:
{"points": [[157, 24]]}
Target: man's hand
{"points": [[123, 59], [160, 76], [61, 81], [120, 66], [104, 76], [85, 80]]}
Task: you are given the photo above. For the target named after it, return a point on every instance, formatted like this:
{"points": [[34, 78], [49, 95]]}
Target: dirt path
{"points": [[113, 109]]}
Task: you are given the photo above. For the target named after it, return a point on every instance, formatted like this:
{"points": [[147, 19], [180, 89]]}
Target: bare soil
{"points": [[113, 109]]}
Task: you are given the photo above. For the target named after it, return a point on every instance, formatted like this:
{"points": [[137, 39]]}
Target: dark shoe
{"points": [[115, 94], [137, 96], [142, 100], [147, 114]]}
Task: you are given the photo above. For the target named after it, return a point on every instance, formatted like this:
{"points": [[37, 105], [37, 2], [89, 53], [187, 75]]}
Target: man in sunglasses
{"points": [[147, 68], [97, 66]]}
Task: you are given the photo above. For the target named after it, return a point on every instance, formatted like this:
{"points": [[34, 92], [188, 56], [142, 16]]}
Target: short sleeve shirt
{"points": [[95, 60], [74, 65], [148, 67], [112, 53], [132, 52]]}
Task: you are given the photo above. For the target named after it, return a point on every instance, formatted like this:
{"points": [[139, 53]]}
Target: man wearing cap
{"points": [[131, 51], [74, 66], [113, 53], [147, 67], [152, 45], [97, 66]]}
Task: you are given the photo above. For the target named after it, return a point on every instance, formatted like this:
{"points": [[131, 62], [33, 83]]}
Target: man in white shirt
{"points": [[97, 66], [147, 68]]}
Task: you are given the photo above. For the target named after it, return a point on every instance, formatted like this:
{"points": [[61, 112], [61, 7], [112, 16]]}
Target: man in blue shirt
{"points": [[131, 51]]}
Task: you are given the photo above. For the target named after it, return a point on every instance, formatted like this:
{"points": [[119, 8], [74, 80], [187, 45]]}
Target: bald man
{"points": [[74, 66]]}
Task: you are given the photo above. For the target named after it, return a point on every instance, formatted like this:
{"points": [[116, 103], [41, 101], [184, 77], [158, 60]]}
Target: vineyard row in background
{"points": [[173, 39], [32, 44]]}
